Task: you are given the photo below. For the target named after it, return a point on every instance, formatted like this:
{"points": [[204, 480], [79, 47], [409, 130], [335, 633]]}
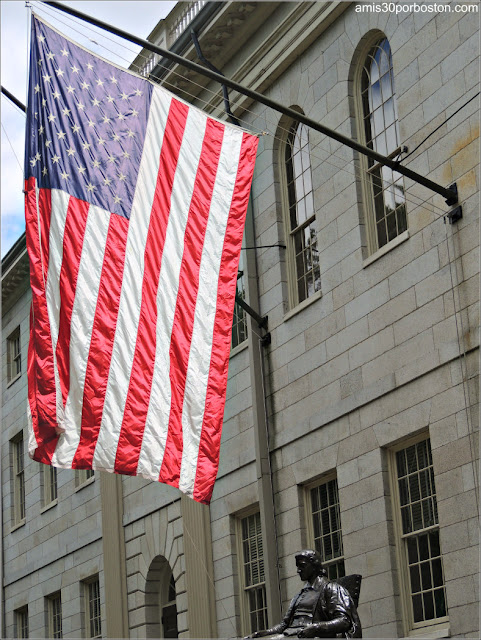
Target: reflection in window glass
{"points": [[380, 130], [302, 233], [239, 321]]}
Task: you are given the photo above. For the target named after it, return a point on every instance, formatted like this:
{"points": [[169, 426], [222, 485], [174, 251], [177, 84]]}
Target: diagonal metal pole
{"points": [[449, 194]]}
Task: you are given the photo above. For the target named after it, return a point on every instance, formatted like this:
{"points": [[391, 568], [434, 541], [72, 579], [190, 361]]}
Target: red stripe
{"points": [[72, 249], [187, 295], [102, 340], [137, 403], [208, 458], [40, 370]]}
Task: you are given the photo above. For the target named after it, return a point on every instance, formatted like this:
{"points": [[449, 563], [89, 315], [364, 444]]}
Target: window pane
{"points": [[417, 608], [440, 603], [428, 602], [415, 579], [380, 132]]}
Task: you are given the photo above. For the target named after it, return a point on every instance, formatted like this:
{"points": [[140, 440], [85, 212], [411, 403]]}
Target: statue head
{"points": [[314, 558]]}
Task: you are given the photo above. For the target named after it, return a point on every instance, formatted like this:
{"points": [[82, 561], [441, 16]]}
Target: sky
{"points": [[138, 17]]}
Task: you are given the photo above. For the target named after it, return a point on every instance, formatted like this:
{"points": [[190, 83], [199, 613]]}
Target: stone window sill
{"points": [[49, 505], [301, 306], [240, 347], [431, 633], [85, 484], [18, 525], [402, 237]]}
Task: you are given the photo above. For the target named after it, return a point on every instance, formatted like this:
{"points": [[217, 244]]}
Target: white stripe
{"points": [[205, 308], [157, 421], [82, 320], [130, 297], [59, 207]]}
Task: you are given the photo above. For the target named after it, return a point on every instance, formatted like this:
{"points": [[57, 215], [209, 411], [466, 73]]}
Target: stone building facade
{"points": [[355, 428]]}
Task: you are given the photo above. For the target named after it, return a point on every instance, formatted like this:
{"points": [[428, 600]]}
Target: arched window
{"points": [[303, 255], [384, 189], [160, 601]]}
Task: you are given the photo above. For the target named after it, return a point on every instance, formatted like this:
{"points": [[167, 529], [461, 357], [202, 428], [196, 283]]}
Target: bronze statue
{"points": [[322, 609]]}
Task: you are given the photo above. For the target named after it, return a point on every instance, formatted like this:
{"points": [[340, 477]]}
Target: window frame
{"points": [[14, 356], [411, 628], [290, 233], [18, 480], [367, 190], [83, 477], [87, 585], [20, 622], [239, 317], [245, 611], [309, 513], [49, 486], [52, 600]]}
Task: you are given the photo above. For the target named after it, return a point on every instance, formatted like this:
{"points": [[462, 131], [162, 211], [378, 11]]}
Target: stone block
{"points": [[347, 338], [419, 320], [375, 511], [307, 362], [351, 520], [443, 98], [454, 537], [456, 61], [371, 348], [462, 591], [343, 294], [457, 509], [414, 272], [448, 403], [377, 587], [351, 383], [347, 473], [414, 45], [333, 254], [382, 610], [362, 492], [465, 619], [365, 303], [391, 311]]}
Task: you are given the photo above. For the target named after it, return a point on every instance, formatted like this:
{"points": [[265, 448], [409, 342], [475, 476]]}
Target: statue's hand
{"points": [[310, 631]]}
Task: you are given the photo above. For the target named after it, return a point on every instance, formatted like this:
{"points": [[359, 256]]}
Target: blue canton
{"points": [[86, 123]]}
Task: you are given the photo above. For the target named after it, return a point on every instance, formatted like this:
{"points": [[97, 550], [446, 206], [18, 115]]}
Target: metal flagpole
{"points": [[450, 194]]}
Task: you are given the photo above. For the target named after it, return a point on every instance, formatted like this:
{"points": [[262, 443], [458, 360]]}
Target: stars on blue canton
{"points": [[86, 123]]}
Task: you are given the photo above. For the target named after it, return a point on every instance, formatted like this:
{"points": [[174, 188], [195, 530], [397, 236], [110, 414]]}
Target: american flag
{"points": [[135, 208]]}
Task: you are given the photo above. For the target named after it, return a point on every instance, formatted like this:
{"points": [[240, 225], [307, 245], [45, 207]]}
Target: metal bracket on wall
{"points": [[457, 213]]}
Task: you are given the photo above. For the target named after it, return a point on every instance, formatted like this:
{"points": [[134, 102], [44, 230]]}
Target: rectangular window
{"points": [[82, 475], [16, 447], [49, 484], [93, 624], [252, 574], [418, 535], [21, 623], [54, 614], [239, 322], [14, 356], [326, 526]]}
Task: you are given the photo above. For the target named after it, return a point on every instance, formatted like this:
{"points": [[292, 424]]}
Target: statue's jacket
{"points": [[323, 601]]}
